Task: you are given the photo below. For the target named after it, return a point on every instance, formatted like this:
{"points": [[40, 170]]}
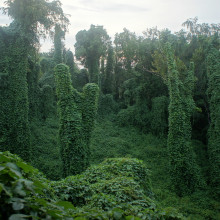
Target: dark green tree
{"points": [[70, 63], [126, 46], [184, 172], [77, 113], [32, 19], [108, 84], [58, 49], [16, 136], [90, 46], [213, 61]]}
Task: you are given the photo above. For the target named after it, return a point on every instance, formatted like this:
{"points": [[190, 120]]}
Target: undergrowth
{"points": [[112, 141], [115, 189]]}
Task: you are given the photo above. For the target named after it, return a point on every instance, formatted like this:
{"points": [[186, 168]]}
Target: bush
{"points": [[120, 184]]}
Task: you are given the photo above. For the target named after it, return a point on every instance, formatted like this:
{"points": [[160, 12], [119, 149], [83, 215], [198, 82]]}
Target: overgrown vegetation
{"points": [[116, 189], [214, 129], [185, 173], [157, 99], [77, 113]]}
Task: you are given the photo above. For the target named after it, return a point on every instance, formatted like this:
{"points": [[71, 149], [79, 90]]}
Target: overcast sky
{"points": [[135, 15]]}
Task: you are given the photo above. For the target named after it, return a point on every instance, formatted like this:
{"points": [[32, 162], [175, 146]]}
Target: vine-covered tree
{"points": [[213, 92], [14, 98], [184, 171], [32, 19], [77, 113], [70, 63]]}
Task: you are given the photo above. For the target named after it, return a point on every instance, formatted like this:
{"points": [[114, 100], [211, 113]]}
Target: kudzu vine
{"points": [[213, 61], [16, 43], [70, 63], [185, 173], [77, 113], [15, 105]]}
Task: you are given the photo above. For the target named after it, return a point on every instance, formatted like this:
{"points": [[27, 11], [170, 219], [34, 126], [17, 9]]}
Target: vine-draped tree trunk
{"points": [[213, 91], [185, 173], [16, 64], [77, 113]]}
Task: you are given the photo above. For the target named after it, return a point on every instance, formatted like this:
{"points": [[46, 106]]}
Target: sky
{"points": [[135, 15]]}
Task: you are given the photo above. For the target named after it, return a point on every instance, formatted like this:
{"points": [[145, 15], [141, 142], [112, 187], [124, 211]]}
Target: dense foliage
{"points": [[116, 189], [77, 113], [14, 125], [158, 102], [91, 45], [214, 129], [184, 172]]}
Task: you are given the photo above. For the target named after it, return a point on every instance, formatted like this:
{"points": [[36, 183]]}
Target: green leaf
{"points": [[3, 158], [42, 202], [12, 165], [1, 168], [19, 189], [18, 205], [39, 185], [117, 215], [27, 168], [5, 190], [14, 170], [28, 184], [65, 205]]}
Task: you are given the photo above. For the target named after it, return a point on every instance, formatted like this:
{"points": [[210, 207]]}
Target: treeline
{"points": [[163, 83]]}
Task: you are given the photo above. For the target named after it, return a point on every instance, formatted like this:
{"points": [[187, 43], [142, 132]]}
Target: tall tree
{"points": [[58, 52], [213, 92], [126, 46], [108, 83], [32, 19], [16, 136], [70, 63], [90, 46], [185, 173], [77, 113]]}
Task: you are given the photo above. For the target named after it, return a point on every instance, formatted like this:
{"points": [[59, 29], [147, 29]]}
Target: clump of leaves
{"points": [[25, 193]]}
